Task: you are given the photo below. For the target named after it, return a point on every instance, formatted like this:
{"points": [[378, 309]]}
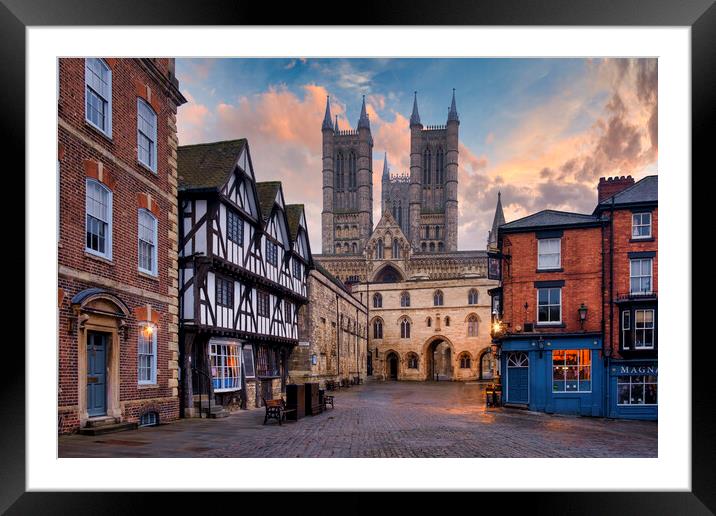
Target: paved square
{"points": [[392, 419]]}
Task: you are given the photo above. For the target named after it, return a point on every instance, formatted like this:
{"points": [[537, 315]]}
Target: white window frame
{"points": [[225, 345], [548, 305], [108, 131], [641, 224], [644, 328], [155, 236], [151, 137], [641, 276], [579, 365], [153, 355], [108, 244], [541, 253]]}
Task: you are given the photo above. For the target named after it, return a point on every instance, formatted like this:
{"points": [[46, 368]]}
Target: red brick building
{"points": [[630, 244], [117, 243], [575, 314], [550, 310]]}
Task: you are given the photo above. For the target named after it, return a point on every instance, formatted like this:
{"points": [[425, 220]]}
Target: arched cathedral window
{"points": [[427, 163], [405, 329], [396, 250], [339, 171], [379, 249], [352, 178], [440, 167]]}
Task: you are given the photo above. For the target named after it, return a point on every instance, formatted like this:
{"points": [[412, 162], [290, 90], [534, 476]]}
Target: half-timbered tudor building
{"points": [[242, 278], [116, 243]]}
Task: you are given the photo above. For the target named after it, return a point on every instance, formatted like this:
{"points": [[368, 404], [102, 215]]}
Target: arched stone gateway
{"points": [[439, 354]]}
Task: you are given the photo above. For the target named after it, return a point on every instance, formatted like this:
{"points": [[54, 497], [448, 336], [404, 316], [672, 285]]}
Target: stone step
{"points": [[219, 414], [108, 429], [97, 422]]}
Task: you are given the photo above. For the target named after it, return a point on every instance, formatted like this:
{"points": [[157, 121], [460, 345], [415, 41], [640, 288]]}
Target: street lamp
{"points": [[582, 310]]}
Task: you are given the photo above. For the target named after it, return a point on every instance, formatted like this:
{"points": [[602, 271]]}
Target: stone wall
{"points": [[332, 328]]}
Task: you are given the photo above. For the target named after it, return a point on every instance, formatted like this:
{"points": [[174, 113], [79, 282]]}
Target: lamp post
{"points": [[582, 310]]}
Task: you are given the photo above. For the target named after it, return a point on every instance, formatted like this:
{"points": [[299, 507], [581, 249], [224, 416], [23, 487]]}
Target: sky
{"points": [[540, 131]]}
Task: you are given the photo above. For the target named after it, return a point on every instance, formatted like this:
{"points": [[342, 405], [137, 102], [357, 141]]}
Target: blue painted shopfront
{"points": [[555, 374], [633, 389]]}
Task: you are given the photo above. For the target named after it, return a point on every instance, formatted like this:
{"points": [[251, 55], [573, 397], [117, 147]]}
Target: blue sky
{"points": [[542, 131]]}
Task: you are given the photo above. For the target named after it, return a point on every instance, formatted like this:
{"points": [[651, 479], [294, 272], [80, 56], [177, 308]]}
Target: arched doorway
{"points": [[392, 362], [438, 353]]}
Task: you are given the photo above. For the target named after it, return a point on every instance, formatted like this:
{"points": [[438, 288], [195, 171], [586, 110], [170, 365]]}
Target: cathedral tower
{"points": [[433, 182], [347, 218]]}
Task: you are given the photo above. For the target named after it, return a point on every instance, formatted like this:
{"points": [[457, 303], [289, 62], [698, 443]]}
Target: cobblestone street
{"points": [[392, 419]]}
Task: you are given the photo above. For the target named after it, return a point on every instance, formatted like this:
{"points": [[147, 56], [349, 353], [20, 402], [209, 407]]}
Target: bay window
{"points": [[225, 363]]}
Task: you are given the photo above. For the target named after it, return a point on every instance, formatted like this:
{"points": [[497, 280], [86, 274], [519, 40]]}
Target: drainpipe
{"points": [[338, 339], [611, 301]]}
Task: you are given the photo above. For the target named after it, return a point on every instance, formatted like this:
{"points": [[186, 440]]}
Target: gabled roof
{"points": [[267, 191], [549, 218], [293, 214], [644, 191], [207, 165]]}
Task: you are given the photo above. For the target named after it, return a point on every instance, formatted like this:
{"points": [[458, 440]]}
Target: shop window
{"points": [[637, 390], [572, 370]]}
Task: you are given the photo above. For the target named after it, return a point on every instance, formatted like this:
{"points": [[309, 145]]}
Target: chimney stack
{"points": [[609, 186]]}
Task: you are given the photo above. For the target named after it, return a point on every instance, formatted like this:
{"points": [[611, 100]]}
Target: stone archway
{"points": [[101, 326], [438, 357], [486, 365]]}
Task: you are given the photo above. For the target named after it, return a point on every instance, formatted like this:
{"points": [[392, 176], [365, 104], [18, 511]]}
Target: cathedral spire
{"points": [[327, 118], [452, 114], [335, 128], [363, 121], [386, 171], [415, 116], [496, 223]]}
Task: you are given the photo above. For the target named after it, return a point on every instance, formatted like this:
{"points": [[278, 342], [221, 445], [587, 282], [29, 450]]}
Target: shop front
{"points": [[553, 374], [633, 389]]}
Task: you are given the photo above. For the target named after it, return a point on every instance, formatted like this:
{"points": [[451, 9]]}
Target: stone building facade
{"points": [[117, 250], [429, 329], [332, 332]]}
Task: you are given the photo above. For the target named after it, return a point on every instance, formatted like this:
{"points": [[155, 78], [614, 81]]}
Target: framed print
{"points": [[431, 246]]}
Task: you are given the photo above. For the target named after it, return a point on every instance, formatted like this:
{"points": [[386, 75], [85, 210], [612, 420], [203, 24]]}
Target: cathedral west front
{"points": [[428, 314]]}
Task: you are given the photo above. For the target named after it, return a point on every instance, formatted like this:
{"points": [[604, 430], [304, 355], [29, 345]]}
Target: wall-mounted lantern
{"points": [[582, 310]]}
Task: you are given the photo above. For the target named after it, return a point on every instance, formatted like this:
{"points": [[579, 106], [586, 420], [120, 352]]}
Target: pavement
{"points": [[384, 419]]}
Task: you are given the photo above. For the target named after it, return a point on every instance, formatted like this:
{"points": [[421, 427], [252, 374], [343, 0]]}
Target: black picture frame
{"points": [[700, 15]]}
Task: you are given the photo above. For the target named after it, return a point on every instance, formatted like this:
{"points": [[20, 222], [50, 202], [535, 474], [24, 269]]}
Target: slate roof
{"points": [[293, 214], [547, 218], [645, 190], [267, 191], [207, 165]]}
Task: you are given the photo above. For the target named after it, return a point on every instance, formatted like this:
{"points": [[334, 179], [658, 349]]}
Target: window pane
{"points": [[554, 315], [624, 395], [650, 393], [543, 296], [543, 314], [558, 356], [637, 392]]}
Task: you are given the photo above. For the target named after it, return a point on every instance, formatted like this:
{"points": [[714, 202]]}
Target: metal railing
{"points": [[203, 373]]}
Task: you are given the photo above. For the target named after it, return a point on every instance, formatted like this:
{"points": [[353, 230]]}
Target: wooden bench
{"points": [[276, 409]]}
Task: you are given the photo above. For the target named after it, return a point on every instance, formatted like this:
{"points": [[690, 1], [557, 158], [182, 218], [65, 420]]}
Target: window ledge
{"points": [[148, 169], [147, 385], [99, 131], [645, 239], [98, 258], [143, 274], [549, 270], [550, 325]]}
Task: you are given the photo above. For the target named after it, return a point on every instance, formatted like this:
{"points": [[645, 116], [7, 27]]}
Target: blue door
{"points": [[96, 374], [518, 378]]}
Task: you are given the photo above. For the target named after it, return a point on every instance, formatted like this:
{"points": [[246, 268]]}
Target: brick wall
{"points": [[581, 272], [623, 245], [84, 152]]}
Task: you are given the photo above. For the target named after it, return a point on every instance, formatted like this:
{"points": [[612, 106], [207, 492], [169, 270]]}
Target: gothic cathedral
{"points": [[423, 202]]}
